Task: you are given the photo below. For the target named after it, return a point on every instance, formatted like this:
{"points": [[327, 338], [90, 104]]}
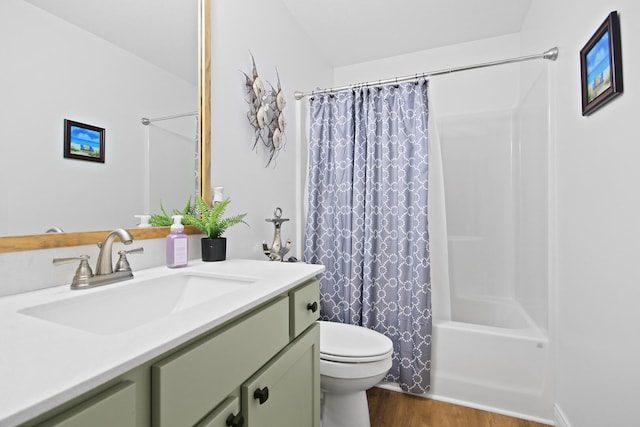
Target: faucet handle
{"points": [[58, 261], [83, 272], [132, 251], [123, 263]]}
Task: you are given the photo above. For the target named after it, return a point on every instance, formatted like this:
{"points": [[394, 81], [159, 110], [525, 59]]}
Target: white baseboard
{"points": [[559, 417]]}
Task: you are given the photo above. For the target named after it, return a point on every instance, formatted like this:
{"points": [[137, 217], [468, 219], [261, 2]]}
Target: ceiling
{"points": [[353, 31], [164, 32]]}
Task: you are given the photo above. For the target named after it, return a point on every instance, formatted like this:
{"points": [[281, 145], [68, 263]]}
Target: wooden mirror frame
{"points": [[57, 240]]}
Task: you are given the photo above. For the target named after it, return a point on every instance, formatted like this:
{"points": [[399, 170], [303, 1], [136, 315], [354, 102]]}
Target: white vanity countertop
{"points": [[44, 364]]}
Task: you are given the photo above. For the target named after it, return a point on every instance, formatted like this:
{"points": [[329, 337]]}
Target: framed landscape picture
{"points": [[83, 142], [601, 66]]}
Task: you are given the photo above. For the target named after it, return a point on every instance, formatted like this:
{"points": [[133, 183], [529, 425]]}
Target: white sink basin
{"points": [[119, 309]]}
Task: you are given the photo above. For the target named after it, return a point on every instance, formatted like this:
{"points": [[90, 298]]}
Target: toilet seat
{"points": [[344, 343]]}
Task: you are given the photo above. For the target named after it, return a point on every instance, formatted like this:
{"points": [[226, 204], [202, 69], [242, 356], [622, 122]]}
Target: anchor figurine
{"points": [[277, 251]]}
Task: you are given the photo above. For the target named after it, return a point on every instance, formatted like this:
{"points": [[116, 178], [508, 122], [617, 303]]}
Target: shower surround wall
{"points": [[531, 195], [493, 351], [495, 174], [477, 152]]}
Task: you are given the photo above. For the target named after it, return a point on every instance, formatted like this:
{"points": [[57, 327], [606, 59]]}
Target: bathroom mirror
{"points": [[65, 195]]}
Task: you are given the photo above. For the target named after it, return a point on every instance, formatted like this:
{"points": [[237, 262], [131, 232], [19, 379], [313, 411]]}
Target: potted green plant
{"points": [[210, 220]]}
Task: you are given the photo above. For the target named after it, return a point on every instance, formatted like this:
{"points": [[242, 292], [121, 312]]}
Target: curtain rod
{"points": [[146, 121], [550, 54]]}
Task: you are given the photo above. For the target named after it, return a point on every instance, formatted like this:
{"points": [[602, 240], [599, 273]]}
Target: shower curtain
{"points": [[367, 218]]}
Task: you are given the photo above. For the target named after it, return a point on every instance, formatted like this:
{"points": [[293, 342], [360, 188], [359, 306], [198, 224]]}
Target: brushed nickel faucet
{"points": [[105, 257], [84, 277]]}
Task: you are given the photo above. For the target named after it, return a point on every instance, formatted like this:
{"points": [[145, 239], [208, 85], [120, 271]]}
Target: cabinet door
{"points": [[226, 415], [305, 306], [115, 406], [286, 392], [187, 385]]}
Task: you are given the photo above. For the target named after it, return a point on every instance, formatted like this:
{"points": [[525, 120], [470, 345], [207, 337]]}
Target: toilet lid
{"points": [[341, 342]]}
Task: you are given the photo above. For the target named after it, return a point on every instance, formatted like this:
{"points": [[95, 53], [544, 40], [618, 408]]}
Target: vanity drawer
{"points": [[115, 406], [187, 385], [305, 306]]}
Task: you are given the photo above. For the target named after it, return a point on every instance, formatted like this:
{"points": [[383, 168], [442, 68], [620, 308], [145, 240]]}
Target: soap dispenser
{"points": [[144, 221], [177, 244]]}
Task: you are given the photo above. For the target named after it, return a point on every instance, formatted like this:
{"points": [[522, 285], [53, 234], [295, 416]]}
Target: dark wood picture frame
{"points": [[83, 141], [601, 65]]}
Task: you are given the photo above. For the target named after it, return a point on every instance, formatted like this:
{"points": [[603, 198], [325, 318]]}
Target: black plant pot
{"points": [[214, 249]]}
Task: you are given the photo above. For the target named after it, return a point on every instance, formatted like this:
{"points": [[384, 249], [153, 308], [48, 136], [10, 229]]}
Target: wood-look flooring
{"points": [[393, 409]]}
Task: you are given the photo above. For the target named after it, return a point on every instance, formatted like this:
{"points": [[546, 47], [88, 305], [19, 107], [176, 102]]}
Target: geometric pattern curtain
{"points": [[367, 218]]}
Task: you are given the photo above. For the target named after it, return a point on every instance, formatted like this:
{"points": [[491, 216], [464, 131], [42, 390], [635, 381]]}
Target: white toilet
{"points": [[352, 360]]}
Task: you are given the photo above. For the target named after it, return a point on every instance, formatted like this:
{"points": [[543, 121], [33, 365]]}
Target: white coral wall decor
{"points": [[265, 113]]}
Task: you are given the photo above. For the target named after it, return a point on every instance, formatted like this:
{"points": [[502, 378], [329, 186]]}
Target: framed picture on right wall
{"points": [[601, 66]]}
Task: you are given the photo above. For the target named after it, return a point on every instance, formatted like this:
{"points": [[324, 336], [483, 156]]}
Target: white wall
{"points": [[266, 30], [594, 220], [53, 71]]}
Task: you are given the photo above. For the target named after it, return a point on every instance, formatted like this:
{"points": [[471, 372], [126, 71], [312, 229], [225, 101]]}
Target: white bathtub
{"points": [[492, 356]]}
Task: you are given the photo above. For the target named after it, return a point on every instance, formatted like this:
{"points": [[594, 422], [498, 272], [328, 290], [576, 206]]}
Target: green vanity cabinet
{"points": [[115, 406], [304, 307], [211, 381], [284, 393], [187, 385], [227, 414]]}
